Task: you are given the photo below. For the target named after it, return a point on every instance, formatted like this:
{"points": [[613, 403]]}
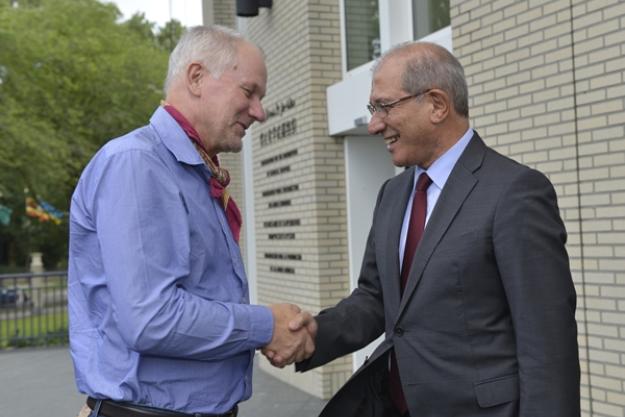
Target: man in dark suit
{"points": [[484, 324]]}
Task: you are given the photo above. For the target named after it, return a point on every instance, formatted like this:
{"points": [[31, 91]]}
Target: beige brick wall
{"points": [[224, 12], [299, 179], [547, 87]]}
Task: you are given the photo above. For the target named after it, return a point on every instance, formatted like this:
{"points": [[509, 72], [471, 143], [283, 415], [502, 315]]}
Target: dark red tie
{"points": [[415, 231], [416, 225]]}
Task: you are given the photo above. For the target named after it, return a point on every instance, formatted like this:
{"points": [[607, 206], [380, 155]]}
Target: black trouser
{"points": [[110, 408]]}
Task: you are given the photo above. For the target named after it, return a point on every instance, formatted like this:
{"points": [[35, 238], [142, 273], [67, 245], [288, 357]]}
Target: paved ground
{"points": [[39, 382]]}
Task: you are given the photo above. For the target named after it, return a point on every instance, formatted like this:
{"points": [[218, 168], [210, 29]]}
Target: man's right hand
{"points": [[293, 338]]}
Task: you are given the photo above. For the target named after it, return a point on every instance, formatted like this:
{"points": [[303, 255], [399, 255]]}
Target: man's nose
{"points": [[376, 124], [257, 111]]}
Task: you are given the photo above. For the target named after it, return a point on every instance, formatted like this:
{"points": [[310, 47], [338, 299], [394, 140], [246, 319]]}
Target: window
{"points": [[428, 16], [362, 31]]}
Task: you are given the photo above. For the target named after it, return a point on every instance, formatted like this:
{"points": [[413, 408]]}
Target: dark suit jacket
{"points": [[486, 326]]}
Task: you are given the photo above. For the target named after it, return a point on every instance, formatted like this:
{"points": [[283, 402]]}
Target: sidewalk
{"points": [[39, 382]]}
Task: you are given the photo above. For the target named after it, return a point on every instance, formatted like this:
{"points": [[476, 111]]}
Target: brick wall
{"points": [[224, 13], [299, 179], [547, 87]]}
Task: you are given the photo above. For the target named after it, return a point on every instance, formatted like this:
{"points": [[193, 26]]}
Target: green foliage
{"points": [[71, 78], [169, 35], [141, 26]]}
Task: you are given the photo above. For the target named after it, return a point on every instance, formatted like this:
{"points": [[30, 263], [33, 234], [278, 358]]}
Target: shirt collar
{"points": [[440, 169], [174, 138]]}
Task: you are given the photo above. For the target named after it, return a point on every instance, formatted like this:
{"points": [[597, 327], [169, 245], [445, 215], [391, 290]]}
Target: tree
{"points": [[139, 24], [169, 35], [71, 78]]}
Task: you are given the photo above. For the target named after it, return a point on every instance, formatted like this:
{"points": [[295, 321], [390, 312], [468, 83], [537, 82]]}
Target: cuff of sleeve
{"points": [[261, 325]]}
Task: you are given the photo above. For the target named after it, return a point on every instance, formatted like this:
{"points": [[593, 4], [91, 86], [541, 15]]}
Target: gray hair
{"points": [[214, 46], [433, 67]]}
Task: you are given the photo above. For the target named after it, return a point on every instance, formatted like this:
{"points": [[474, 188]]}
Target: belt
{"points": [[110, 408]]}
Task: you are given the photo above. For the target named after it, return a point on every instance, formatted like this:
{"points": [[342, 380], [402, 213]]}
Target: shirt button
{"points": [[399, 331]]}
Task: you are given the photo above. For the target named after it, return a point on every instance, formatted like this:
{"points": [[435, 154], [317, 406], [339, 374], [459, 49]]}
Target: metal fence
{"points": [[33, 309]]}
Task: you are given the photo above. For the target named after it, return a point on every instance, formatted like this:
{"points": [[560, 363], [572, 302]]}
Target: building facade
{"points": [[547, 88]]}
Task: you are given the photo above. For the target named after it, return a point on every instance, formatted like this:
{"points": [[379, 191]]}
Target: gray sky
{"points": [[188, 12]]}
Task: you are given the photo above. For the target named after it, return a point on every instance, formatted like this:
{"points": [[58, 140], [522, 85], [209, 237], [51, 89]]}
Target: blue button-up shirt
{"points": [[158, 298]]}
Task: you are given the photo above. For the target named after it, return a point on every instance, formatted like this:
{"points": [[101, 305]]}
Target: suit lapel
{"points": [[458, 186], [394, 224]]}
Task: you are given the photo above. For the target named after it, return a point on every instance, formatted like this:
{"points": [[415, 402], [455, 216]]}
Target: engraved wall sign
{"points": [[278, 132], [279, 157]]}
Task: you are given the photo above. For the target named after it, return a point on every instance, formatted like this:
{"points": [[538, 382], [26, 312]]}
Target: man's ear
{"points": [[441, 105], [194, 75]]}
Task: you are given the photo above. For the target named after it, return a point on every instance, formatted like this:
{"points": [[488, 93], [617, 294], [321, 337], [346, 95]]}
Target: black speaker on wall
{"points": [[249, 8]]}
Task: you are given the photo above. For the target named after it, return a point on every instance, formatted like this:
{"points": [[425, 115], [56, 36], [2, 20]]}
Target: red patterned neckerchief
{"points": [[220, 177]]}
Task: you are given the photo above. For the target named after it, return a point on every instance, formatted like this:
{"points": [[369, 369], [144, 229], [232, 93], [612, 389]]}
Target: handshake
{"points": [[293, 338]]}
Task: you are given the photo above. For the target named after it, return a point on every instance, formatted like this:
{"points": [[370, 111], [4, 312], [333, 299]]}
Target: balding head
{"points": [[428, 65]]}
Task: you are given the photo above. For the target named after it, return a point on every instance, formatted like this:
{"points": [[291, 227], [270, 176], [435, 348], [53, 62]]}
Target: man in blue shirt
{"points": [[160, 320]]}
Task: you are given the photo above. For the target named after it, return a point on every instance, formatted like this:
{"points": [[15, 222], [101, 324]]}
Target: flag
{"points": [[43, 211]]}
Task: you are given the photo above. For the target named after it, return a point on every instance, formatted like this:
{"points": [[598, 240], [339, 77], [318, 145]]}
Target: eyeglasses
{"points": [[385, 108]]}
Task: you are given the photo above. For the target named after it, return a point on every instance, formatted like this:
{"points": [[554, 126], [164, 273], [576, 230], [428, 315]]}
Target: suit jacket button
{"points": [[399, 331]]}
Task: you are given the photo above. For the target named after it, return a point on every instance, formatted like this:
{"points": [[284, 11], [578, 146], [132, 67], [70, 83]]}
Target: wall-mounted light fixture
{"points": [[249, 8]]}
